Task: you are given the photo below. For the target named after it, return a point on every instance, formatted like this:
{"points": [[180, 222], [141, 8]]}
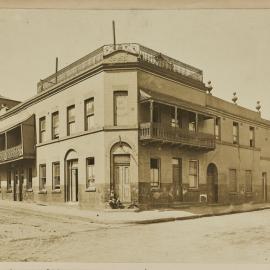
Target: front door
{"points": [[264, 184], [72, 181], [212, 183], [177, 179], [122, 178]]}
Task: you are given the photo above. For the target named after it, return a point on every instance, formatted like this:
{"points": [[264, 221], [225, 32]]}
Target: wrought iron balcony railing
{"points": [[11, 153], [96, 57], [159, 133]]}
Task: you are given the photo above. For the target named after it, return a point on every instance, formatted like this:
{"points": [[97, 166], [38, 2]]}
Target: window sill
{"points": [[234, 193], [42, 191], [55, 191], [193, 189], [29, 190], [91, 189], [154, 189], [9, 191]]}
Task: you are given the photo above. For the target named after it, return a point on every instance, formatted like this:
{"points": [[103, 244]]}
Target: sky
{"points": [[231, 46]]}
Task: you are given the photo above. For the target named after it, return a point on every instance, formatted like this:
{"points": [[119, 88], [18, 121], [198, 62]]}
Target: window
{"points": [[42, 129], [29, 183], [90, 172], [193, 173], [232, 180], [248, 181], [192, 124], [121, 108], [9, 181], [156, 113], [42, 177], [217, 128], [55, 125], [251, 136], [71, 120], [89, 113], [235, 133], [155, 172], [56, 175], [176, 123]]}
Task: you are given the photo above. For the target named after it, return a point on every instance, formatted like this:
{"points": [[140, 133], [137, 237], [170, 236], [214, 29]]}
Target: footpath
{"points": [[130, 216]]}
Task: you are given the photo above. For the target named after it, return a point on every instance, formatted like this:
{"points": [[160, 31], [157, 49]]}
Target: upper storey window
{"points": [[71, 120], [217, 128], [251, 136], [55, 125], [42, 129], [121, 108], [89, 113], [235, 133]]}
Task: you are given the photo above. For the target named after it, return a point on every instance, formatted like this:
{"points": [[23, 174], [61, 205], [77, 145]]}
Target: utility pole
{"points": [[114, 39]]}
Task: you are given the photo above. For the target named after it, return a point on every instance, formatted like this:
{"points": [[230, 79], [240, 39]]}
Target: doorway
{"points": [[264, 185], [18, 178], [121, 177], [212, 183], [72, 181], [177, 179]]}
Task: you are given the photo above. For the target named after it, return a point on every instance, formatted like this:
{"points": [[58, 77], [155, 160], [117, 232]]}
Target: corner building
{"points": [[131, 122]]}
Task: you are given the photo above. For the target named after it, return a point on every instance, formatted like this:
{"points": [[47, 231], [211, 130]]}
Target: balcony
{"points": [[18, 142], [156, 132], [11, 153]]}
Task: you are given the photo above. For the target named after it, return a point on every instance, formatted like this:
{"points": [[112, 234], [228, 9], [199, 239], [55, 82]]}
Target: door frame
{"points": [[178, 197], [123, 164], [264, 182], [68, 182]]}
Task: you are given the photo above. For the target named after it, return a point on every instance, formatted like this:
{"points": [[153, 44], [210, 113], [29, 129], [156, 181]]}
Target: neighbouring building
{"points": [[129, 122]]}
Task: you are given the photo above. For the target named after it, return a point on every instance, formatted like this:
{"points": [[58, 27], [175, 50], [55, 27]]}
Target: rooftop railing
{"points": [[96, 57]]}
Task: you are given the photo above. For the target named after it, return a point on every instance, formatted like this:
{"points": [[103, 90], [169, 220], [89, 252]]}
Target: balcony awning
{"points": [[148, 95], [28, 120]]}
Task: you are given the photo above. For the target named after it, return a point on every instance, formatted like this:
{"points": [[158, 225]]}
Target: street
{"points": [[238, 238]]}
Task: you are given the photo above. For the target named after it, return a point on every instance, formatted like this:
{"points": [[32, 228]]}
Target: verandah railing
{"points": [[11, 153], [156, 131]]}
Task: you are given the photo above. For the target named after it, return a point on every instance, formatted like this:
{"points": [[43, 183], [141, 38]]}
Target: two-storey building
{"points": [[129, 122]]}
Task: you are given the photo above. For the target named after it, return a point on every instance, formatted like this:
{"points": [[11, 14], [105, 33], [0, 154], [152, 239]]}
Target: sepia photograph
{"points": [[134, 136]]}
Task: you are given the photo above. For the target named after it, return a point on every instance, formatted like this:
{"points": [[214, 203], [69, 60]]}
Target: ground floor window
{"points": [[56, 175], [42, 176], [248, 181], [193, 173], [155, 172], [29, 180], [90, 172], [232, 180]]}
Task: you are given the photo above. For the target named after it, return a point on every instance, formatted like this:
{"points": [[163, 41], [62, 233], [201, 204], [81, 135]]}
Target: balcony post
{"points": [[196, 122], [215, 120], [175, 116], [151, 117], [5, 140]]}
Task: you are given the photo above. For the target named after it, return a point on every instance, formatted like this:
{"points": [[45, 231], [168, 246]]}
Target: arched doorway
{"points": [[71, 179], [212, 183], [120, 171]]}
